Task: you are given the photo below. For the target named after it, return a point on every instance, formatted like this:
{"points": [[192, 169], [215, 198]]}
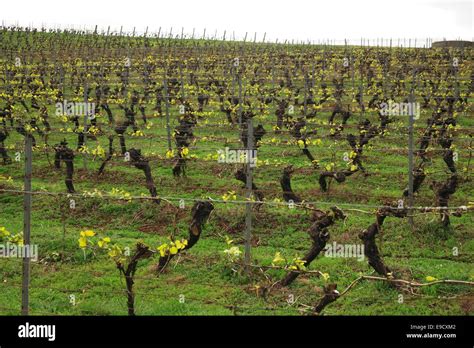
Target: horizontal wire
{"points": [[466, 207]]}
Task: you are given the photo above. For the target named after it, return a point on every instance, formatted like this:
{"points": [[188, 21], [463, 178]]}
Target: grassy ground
{"points": [[202, 274]]}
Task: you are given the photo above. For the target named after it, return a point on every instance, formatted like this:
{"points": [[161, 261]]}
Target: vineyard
{"points": [[162, 175]]}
